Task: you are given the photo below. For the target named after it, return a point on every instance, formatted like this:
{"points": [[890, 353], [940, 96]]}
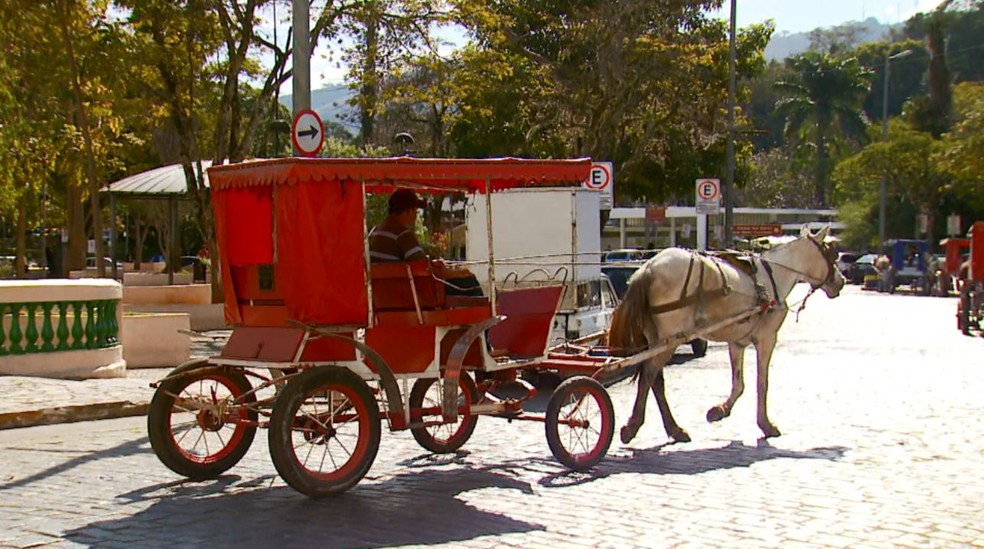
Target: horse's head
{"points": [[822, 272]]}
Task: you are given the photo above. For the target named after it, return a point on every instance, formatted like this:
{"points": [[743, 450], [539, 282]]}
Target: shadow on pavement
{"points": [[656, 461], [128, 448], [411, 508]]}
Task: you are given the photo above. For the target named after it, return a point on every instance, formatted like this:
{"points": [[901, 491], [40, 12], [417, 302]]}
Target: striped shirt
{"points": [[389, 241]]}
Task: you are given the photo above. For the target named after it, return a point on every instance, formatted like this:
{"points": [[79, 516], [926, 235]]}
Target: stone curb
{"points": [[72, 414]]}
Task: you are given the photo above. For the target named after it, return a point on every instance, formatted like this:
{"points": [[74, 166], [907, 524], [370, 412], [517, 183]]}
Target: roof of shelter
{"points": [[382, 174], [166, 180]]}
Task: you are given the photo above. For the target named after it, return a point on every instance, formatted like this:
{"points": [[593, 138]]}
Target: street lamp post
{"points": [[882, 190]]}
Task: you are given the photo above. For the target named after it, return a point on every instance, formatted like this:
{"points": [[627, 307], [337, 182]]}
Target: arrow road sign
{"points": [[307, 133], [310, 132]]}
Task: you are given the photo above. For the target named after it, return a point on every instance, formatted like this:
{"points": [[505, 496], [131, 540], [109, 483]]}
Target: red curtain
{"points": [[321, 252], [249, 226]]}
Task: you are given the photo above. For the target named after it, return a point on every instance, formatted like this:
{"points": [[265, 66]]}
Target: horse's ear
{"points": [[822, 233], [805, 230]]}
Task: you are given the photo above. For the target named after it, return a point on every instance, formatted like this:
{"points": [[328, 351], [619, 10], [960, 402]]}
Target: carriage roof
{"points": [[433, 174]]}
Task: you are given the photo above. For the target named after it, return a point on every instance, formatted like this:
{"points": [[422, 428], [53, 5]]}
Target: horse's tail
{"points": [[630, 319]]}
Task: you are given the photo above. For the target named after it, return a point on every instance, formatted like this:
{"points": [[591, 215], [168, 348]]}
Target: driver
{"points": [[395, 240]]}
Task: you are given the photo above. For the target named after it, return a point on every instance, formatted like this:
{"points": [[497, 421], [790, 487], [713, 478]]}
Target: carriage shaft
{"points": [[679, 339]]}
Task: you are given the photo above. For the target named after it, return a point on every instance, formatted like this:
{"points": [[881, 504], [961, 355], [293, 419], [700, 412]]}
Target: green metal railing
{"points": [[51, 326]]}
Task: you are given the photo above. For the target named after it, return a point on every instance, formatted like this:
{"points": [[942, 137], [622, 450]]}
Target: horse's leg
{"points": [[647, 371], [673, 430], [763, 349], [723, 410]]}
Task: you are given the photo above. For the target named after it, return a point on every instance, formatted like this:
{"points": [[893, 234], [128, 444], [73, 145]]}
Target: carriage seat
{"points": [[394, 284]]}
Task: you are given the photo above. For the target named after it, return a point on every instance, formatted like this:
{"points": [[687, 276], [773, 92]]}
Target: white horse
{"points": [[679, 291]]}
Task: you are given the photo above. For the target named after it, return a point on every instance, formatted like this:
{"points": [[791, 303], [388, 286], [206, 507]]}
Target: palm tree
{"points": [[826, 94]]}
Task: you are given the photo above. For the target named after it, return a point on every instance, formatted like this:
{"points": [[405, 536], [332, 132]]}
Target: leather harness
{"points": [[747, 262]]}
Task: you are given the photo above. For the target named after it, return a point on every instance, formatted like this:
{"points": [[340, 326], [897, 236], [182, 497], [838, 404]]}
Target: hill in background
{"points": [[784, 44], [331, 104]]}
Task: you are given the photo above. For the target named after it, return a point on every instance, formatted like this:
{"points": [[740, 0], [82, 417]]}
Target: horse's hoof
{"points": [[715, 414], [680, 435], [627, 433], [770, 431]]}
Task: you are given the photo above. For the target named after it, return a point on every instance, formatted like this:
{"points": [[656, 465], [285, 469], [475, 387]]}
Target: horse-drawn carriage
{"points": [[327, 346], [955, 252], [970, 307], [908, 266], [350, 344]]}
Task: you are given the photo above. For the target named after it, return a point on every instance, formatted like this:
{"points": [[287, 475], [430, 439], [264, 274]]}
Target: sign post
{"points": [[602, 180], [307, 133], [708, 201]]}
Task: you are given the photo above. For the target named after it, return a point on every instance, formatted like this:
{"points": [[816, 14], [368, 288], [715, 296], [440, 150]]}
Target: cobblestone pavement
{"points": [[29, 401], [877, 396]]}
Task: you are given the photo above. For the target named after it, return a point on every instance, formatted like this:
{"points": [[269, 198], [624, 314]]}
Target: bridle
{"points": [[829, 253]]}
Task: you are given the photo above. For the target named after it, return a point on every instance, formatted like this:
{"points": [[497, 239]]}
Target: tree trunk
{"points": [[938, 78], [86, 138], [75, 213], [369, 88], [20, 261], [820, 175]]}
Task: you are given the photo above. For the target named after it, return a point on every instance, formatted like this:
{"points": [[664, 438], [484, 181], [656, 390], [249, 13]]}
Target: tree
{"points": [[905, 74], [825, 94], [908, 162], [639, 83], [383, 34], [962, 153], [775, 182]]}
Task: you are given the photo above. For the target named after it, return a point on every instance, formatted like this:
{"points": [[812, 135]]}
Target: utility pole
{"points": [[882, 187], [301, 72], [729, 182]]}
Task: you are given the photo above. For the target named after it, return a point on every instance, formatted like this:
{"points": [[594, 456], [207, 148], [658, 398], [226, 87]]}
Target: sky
{"points": [[805, 15], [790, 16]]}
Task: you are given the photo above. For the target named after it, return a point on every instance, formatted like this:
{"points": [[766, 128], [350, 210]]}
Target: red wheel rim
{"points": [[206, 422], [584, 406], [330, 431], [432, 407]]}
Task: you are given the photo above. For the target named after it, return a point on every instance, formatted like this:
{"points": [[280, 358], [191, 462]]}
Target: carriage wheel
{"points": [[200, 424], [324, 432], [580, 423], [425, 405]]}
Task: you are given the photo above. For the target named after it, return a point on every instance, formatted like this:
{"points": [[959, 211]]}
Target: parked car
{"points": [[863, 266], [622, 255], [844, 261]]}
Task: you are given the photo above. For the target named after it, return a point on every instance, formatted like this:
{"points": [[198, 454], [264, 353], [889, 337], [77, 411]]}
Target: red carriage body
{"points": [[305, 302]]}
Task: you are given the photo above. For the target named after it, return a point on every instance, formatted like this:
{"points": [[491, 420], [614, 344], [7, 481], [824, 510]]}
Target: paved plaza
{"points": [[878, 398]]}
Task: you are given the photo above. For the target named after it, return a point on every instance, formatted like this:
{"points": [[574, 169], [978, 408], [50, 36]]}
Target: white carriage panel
{"points": [[557, 227]]}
